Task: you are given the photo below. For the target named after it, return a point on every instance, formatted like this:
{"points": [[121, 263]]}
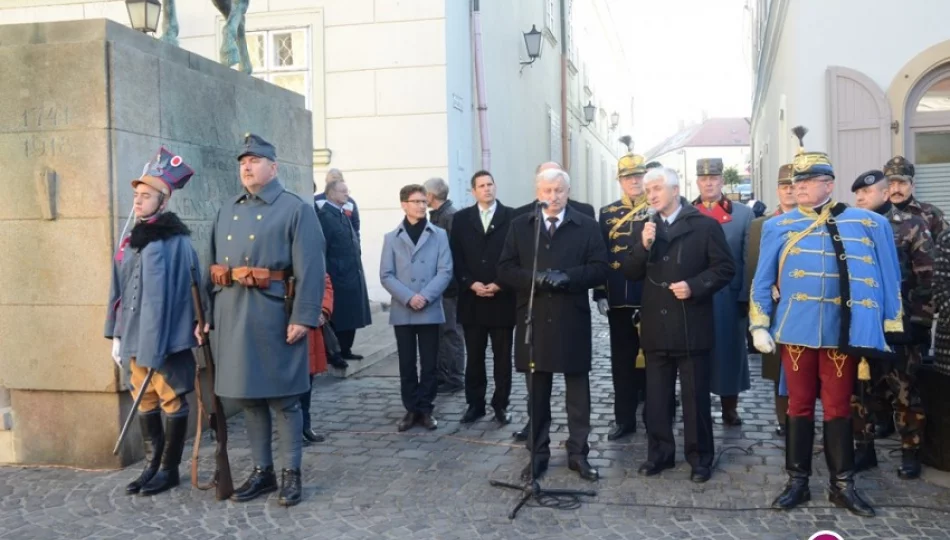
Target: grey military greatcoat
{"points": [[277, 230]]}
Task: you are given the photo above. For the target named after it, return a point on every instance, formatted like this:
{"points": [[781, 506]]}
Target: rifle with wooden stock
{"points": [[221, 480]]}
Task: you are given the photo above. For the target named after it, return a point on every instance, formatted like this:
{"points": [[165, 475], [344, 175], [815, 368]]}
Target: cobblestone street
{"points": [[368, 481]]}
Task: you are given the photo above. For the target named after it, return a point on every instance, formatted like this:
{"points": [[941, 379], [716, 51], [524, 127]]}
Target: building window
{"points": [[554, 134], [282, 57], [551, 18]]}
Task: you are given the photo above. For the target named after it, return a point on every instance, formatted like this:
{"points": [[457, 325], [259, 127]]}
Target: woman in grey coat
{"points": [[151, 317], [416, 268]]}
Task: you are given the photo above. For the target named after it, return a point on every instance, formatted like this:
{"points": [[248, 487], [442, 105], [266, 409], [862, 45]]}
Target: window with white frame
{"points": [[551, 17], [282, 57]]}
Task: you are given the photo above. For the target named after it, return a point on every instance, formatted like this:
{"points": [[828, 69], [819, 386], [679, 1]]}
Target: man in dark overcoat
{"points": [[267, 283], [345, 266], [684, 259], [772, 362], [485, 308], [572, 259]]}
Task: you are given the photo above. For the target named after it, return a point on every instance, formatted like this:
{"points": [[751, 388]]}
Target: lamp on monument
{"points": [[589, 111], [532, 42], [144, 14], [614, 120]]}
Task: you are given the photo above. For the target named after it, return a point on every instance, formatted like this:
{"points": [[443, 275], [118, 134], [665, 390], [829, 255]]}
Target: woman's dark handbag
{"points": [[330, 342]]}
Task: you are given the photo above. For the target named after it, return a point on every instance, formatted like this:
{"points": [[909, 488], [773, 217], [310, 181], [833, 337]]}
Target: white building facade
{"points": [[391, 84], [869, 79]]}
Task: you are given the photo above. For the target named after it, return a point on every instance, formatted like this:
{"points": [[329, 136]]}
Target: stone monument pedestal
{"points": [[85, 105]]}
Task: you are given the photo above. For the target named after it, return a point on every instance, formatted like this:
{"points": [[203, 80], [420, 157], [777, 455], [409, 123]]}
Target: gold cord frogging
{"points": [[839, 359], [795, 352]]}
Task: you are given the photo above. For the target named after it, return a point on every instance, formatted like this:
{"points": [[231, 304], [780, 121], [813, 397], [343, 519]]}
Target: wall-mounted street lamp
{"points": [[614, 120], [144, 14], [532, 42], [589, 111]]}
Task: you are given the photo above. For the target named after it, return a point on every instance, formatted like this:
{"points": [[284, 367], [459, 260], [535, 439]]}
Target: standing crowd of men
{"points": [[838, 299]]}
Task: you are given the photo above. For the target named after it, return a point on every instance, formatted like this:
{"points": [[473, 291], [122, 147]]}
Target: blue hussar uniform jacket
{"points": [[616, 227], [837, 278]]}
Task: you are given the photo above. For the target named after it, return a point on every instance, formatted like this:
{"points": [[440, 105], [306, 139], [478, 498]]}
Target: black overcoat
{"points": [[692, 249], [475, 254], [345, 266], [562, 325]]}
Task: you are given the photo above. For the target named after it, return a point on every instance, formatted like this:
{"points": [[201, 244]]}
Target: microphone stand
{"points": [[532, 489]]}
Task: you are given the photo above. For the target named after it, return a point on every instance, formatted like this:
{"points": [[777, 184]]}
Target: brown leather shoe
{"points": [[428, 421], [407, 421]]}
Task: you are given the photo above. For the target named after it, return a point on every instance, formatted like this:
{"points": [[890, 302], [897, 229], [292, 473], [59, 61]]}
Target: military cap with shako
{"points": [[809, 164], [256, 146], [166, 172], [630, 164], [898, 167], [786, 174], [709, 167], [866, 179]]}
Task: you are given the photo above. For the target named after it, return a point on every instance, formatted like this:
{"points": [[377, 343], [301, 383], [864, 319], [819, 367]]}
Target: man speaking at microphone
{"points": [[683, 259], [572, 259]]}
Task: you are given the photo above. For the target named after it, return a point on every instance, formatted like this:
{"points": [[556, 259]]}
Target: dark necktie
{"points": [[553, 226]]}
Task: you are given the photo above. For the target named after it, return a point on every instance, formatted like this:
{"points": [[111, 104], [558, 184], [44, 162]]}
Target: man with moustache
{"points": [[266, 293], [825, 293], [619, 300], [485, 308], [895, 382], [771, 363], [571, 259], [683, 259], [730, 359]]}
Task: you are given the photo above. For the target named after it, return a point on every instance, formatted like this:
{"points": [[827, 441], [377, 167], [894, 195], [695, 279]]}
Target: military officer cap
{"points": [[166, 172], [808, 165], [709, 167], [866, 179], [899, 168], [786, 174], [653, 165], [630, 165], [256, 146]]}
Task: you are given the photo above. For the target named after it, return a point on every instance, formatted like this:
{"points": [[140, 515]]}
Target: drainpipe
{"points": [[480, 88], [565, 128]]}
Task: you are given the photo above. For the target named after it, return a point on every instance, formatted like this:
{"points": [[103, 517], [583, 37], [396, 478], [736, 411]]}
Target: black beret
{"points": [[866, 179]]}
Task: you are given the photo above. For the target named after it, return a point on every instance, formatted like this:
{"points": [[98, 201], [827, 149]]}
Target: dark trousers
{"points": [[694, 397], [418, 387], [577, 403], [346, 339], [476, 378], [627, 379], [305, 400]]}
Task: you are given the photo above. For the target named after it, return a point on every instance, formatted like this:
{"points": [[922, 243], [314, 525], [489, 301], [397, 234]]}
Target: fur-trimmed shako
{"points": [[162, 227]]}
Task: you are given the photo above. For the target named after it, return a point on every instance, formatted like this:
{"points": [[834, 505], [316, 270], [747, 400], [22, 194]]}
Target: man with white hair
{"points": [[450, 366], [571, 259], [683, 259], [350, 209]]}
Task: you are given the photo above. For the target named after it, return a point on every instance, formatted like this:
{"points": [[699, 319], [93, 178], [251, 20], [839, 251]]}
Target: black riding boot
{"points": [[839, 453], [167, 476], [154, 439], [799, 440]]}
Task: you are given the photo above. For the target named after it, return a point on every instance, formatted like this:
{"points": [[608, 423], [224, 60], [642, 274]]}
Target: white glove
{"points": [[763, 341], [116, 346], [602, 307]]}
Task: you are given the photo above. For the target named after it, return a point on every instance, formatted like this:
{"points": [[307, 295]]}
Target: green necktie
{"points": [[485, 220]]}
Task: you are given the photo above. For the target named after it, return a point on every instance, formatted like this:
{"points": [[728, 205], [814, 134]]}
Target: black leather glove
{"points": [[557, 280], [541, 280]]}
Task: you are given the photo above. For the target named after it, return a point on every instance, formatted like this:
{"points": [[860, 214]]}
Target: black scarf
{"points": [[415, 231], [163, 226], [884, 208]]}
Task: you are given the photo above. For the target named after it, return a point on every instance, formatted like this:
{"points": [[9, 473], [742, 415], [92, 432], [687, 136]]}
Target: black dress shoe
{"points": [[583, 468], [351, 356], [700, 475], [521, 436], [780, 430], [502, 416], [428, 421], [260, 482], [620, 431], [290, 491], [407, 421], [311, 436], [910, 464], [472, 414], [540, 467], [650, 468], [337, 362]]}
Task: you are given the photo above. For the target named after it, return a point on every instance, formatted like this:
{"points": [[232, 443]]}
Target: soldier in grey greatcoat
{"points": [[267, 283], [150, 319], [730, 359]]}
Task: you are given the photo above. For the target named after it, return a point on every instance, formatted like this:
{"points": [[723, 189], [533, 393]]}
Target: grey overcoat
{"points": [[407, 269]]}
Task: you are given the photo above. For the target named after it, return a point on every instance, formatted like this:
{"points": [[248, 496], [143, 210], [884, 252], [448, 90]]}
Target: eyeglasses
{"points": [[416, 201]]}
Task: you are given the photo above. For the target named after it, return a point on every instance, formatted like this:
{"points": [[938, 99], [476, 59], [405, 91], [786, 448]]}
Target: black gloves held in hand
{"points": [[552, 280]]}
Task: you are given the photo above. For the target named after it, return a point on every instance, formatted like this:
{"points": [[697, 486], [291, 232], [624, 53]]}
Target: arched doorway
{"points": [[927, 137]]}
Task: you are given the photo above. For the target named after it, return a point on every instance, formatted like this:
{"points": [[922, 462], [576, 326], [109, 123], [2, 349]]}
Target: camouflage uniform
{"points": [[932, 216], [941, 301]]}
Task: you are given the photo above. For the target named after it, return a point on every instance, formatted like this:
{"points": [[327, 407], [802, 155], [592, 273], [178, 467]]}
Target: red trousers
{"points": [[805, 367]]}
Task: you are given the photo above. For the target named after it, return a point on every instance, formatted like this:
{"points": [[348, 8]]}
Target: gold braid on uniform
{"points": [[839, 359], [794, 353]]}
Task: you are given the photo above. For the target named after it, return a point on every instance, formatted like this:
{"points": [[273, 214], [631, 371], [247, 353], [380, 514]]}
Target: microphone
{"points": [[651, 212], [543, 204]]}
